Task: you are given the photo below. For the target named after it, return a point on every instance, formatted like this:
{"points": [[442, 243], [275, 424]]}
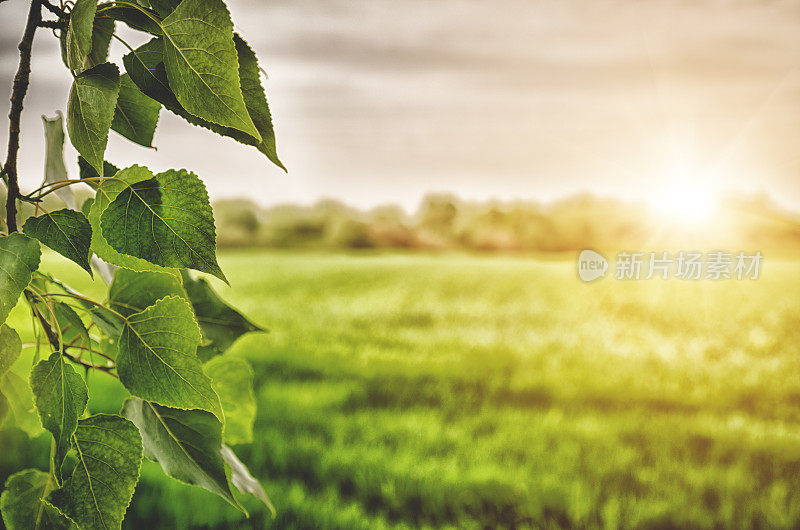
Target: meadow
{"points": [[477, 391]]}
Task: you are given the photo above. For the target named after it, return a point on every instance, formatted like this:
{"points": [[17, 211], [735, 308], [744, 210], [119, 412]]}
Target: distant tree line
{"points": [[443, 222]]}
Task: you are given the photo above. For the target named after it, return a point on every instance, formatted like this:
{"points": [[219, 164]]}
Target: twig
{"points": [[55, 342], [87, 364], [93, 351], [20, 88], [60, 13], [50, 187]]}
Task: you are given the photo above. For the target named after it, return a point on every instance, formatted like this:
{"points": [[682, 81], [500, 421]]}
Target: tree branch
{"points": [[20, 88]]}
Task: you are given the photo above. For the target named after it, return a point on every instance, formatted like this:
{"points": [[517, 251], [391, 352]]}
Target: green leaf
{"points": [[164, 7], [73, 330], [5, 409], [244, 481], [23, 508], [108, 322], [133, 17], [201, 65], [157, 359], [86, 171], [90, 111], [187, 444], [136, 115], [66, 231], [86, 207], [10, 348], [146, 68], [132, 292], [60, 396], [220, 323], [107, 346], [102, 30], [232, 380], [62, 44], [19, 258], [166, 220], [106, 193], [15, 395], [79, 33], [109, 454], [255, 100], [20, 397]]}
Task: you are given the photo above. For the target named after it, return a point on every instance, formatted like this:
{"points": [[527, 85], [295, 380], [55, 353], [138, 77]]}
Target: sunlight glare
{"points": [[684, 200]]}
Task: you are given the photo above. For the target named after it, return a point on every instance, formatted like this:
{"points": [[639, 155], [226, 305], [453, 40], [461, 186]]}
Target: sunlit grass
{"points": [[466, 391]]}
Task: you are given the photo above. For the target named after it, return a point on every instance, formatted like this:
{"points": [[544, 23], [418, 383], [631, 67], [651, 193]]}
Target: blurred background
{"points": [[375, 102], [433, 359]]}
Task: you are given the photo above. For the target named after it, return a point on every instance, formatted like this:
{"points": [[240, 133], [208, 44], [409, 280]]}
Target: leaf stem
{"points": [[88, 301], [50, 187], [114, 35], [57, 185], [52, 477], [20, 88]]}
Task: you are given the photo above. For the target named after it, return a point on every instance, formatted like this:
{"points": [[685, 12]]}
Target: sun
{"points": [[685, 201]]}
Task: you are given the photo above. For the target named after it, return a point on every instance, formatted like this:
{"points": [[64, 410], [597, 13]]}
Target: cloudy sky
{"points": [[378, 101]]}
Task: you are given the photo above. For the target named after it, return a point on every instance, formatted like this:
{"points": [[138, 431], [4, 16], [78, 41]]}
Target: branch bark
{"points": [[52, 24], [20, 88]]}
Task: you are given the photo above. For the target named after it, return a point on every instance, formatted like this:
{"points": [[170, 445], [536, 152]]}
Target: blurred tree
{"points": [[437, 220], [237, 222]]}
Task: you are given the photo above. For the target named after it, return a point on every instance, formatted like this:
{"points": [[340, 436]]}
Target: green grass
{"points": [[407, 391]]}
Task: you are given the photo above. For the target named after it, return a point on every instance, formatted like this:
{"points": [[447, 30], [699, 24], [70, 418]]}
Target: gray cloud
{"points": [[379, 100]]}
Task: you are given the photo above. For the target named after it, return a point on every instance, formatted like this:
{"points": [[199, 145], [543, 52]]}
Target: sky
{"points": [[383, 101]]}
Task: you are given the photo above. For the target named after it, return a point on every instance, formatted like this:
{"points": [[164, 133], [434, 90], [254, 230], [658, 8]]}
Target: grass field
{"points": [[407, 391]]}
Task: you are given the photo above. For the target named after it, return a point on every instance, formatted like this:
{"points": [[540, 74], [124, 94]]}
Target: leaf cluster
{"points": [[162, 331]]}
